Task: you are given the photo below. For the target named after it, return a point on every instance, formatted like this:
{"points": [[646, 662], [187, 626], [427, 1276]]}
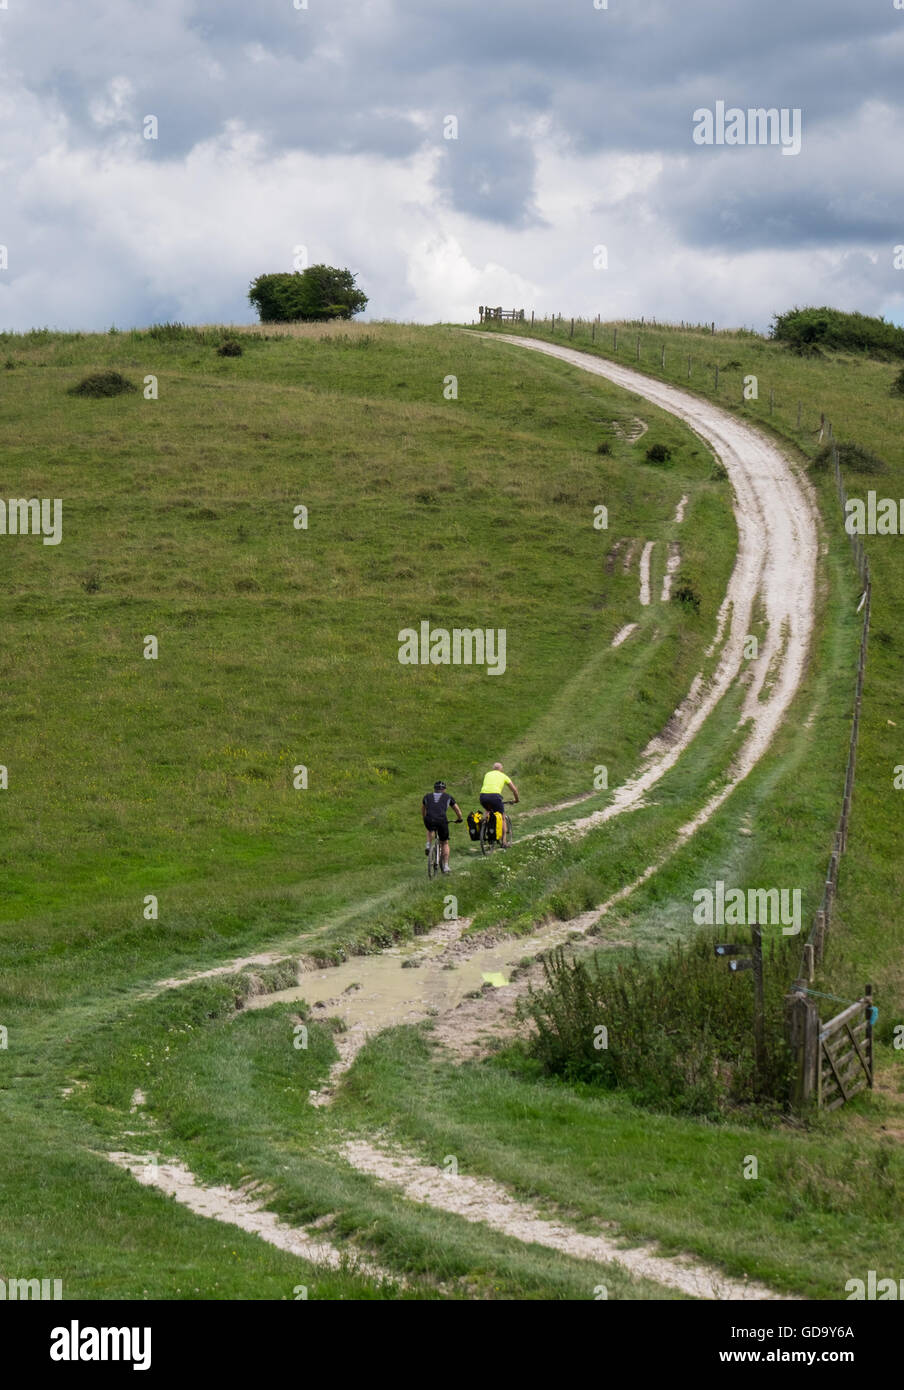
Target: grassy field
{"points": [[278, 647]]}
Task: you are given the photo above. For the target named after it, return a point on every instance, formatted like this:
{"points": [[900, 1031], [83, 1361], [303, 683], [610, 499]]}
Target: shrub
{"points": [[229, 348], [852, 457], [99, 384], [807, 330], [604, 448], [897, 386], [718, 473], [679, 1028], [684, 592], [659, 453]]}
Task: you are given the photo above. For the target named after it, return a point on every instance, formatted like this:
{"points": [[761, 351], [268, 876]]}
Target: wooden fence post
{"points": [[572, 329], [803, 1036], [759, 1033], [615, 340], [662, 358]]}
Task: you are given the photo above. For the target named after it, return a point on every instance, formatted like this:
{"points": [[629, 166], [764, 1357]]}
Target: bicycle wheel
{"points": [[433, 858], [486, 846]]}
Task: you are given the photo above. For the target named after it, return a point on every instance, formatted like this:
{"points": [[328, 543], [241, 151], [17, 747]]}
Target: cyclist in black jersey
{"points": [[435, 811]]}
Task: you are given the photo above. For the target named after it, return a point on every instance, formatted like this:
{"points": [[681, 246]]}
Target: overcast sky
{"points": [[325, 128]]}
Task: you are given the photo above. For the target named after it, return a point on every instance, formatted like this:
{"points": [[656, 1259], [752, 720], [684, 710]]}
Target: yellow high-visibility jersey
{"points": [[495, 783]]}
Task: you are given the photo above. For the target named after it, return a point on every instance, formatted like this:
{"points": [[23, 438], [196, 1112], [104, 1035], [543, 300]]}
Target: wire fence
{"points": [[815, 945], [645, 343]]}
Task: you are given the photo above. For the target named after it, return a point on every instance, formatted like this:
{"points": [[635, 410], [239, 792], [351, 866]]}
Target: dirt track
{"points": [[778, 544]]}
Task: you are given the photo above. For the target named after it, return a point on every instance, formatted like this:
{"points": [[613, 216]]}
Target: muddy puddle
{"points": [[404, 984]]}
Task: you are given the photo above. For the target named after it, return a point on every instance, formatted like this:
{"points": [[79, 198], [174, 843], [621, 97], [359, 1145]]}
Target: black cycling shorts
{"points": [[492, 801], [440, 826]]}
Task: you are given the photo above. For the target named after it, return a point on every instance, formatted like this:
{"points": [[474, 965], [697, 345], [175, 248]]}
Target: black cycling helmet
{"points": [[439, 786]]}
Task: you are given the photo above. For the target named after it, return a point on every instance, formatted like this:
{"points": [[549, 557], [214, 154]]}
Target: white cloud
{"points": [[114, 107]]}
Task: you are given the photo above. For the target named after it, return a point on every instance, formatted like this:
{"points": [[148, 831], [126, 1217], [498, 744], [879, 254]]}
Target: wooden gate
{"points": [[845, 1063], [834, 1059], [501, 315]]}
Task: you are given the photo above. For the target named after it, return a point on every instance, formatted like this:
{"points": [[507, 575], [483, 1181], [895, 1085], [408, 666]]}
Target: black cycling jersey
{"points": [[436, 805]]}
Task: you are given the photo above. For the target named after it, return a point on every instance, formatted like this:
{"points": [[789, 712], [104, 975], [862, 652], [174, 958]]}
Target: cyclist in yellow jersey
{"points": [[494, 784]]}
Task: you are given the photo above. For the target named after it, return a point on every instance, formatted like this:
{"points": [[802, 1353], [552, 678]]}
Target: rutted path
{"points": [[645, 572], [778, 545], [481, 1199], [671, 565], [244, 1209]]}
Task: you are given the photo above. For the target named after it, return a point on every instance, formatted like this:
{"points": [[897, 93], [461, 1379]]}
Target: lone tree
{"points": [[310, 296]]}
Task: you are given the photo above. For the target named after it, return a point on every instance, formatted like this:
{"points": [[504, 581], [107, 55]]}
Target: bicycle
{"points": [[435, 856], [487, 845]]}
